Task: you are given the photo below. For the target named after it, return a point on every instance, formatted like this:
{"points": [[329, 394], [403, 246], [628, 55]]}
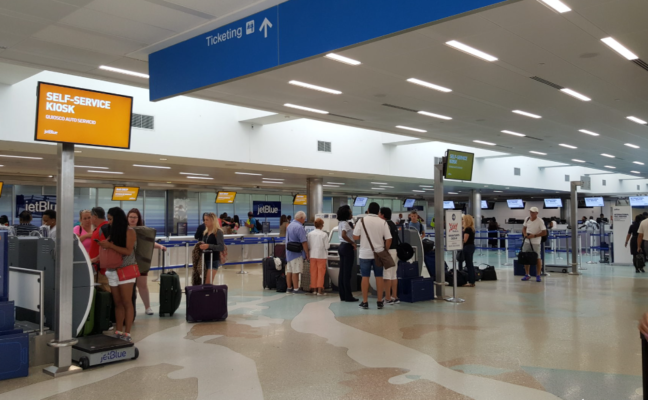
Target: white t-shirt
{"points": [[535, 228], [378, 232], [318, 244], [643, 229]]}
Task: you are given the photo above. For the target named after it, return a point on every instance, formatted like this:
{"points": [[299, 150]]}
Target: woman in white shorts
{"points": [[122, 239], [389, 274]]}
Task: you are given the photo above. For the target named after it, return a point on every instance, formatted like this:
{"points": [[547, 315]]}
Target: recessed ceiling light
{"points": [[410, 129], [425, 186], [314, 87], [609, 166], [634, 146], [314, 110], [588, 132], [247, 173], [273, 182], [638, 162], [429, 85], [577, 160], [335, 183], [497, 191], [635, 172], [514, 133], [107, 172], [199, 177], [557, 5], [273, 179], [377, 189], [51, 176], [78, 151], [124, 71], [342, 59], [85, 166], [331, 186], [419, 191], [453, 193], [378, 183], [428, 190], [429, 114], [637, 120], [619, 48], [537, 152], [192, 173], [569, 146], [607, 155], [526, 114], [388, 187], [150, 166], [163, 159], [470, 50], [482, 142], [575, 94], [28, 158]]}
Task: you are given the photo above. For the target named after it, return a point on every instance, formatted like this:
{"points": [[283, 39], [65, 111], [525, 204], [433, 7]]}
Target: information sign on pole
{"points": [[454, 230]]}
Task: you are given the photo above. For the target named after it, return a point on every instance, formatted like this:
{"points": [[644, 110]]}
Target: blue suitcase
{"points": [[14, 353], [416, 289], [7, 314], [407, 270]]}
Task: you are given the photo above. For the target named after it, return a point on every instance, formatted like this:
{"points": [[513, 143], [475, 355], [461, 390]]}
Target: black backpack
{"points": [[259, 226]]}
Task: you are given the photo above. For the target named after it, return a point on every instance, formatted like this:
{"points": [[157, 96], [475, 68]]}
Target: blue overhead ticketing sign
{"points": [[290, 32]]}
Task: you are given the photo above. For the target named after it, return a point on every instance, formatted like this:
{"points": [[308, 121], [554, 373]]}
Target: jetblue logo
{"points": [[267, 209], [112, 355], [40, 206], [51, 132]]}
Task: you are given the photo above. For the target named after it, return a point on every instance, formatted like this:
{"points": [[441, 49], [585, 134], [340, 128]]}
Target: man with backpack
{"points": [[533, 232]]}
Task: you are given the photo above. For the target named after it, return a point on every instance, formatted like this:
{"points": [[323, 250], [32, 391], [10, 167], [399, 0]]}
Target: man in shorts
{"points": [[296, 233], [389, 275], [533, 231]]}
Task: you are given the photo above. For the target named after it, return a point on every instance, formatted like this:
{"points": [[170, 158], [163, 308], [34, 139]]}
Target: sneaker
{"points": [[526, 278], [396, 301], [380, 305], [118, 334], [538, 279], [318, 294], [298, 291], [149, 311], [364, 305], [127, 338], [289, 291]]}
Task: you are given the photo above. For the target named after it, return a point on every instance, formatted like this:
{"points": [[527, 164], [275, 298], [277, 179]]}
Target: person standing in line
{"points": [[533, 230], [4, 220], [98, 219], [201, 228], [251, 223], [493, 232], [318, 244], [290, 218], [84, 229], [632, 236], [468, 248], [283, 225], [347, 253], [213, 239], [236, 222], [372, 228], [296, 233], [49, 219], [135, 219], [389, 275], [25, 227], [416, 224], [642, 237]]}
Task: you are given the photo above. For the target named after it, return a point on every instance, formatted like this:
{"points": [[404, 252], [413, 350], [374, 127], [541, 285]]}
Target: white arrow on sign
{"points": [[264, 27]]}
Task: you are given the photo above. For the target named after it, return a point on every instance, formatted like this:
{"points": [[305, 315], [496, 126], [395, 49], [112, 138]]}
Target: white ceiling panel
{"points": [[8, 39], [52, 63], [84, 40], [20, 26], [618, 16], [216, 8], [46, 9], [65, 53]]}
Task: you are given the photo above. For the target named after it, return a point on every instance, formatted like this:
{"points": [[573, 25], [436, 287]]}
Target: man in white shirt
{"points": [[371, 227], [533, 231], [642, 237], [49, 219]]}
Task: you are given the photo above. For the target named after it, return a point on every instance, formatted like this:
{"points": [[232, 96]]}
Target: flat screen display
{"points": [[594, 201], [409, 203], [484, 205], [125, 193], [638, 201], [459, 165], [300, 200], [1, 186], [553, 203], [448, 205], [515, 203], [225, 197], [72, 115], [360, 202]]}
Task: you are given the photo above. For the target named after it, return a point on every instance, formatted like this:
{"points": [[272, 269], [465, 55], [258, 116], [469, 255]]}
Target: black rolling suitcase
{"points": [[103, 310], [206, 303], [644, 362], [170, 292], [270, 272]]}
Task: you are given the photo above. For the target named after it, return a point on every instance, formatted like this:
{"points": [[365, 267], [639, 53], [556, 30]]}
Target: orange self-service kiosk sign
{"points": [[1, 185], [125, 193], [225, 197], [300, 200], [72, 115]]}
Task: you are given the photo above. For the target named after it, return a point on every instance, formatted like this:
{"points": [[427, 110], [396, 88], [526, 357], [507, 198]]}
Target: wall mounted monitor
{"points": [[1, 186], [484, 205], [515, 204], [409, 203], [458, 165], [300, 200], [594, 202], [67, 114], [552, 203], [639, 201], [448, 205], [225, 197], [125, 193], [360, 201]]}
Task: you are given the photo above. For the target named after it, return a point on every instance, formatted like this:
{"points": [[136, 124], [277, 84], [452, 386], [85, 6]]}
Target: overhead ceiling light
{"points": [[470, 50], [150, 166], [497, 191], [342, 59], [388, 187], [335, 183], [557, 5], [247, 173], [526, 114], [634, 146], [199, 177], [569, 146], [78, 151], [607, 155], [577, 160], [419, 191], [537, 152], [635, 172], [163, 159], [51, 176], [425, 186], [378, 183], [452, 193], [637, 120], [482, 142], [273, 179], [429, 114], [315, 87], [619, 48], [273, 182], [638, 162], [429, 85], [28, 158], [107, 172], [514, 133], [314, 110], [410, 129], [377, 189], [124, 71], [575, 94], [609, 166], [428, 190], [588, 132], [335, 186], [193, 173], [85, 166]]}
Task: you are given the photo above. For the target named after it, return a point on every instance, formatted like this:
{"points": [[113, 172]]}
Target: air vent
{"points": [[400, 108], [505, 147], [604, 182], [142, 121], [324, 146], [517, 172], [344, 116], [566, 178], [546, 82], [641, 63], [534, 138], [638, 187]]}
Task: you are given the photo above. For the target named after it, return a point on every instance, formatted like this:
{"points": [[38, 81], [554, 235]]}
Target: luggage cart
{"points": [[96, 350]]}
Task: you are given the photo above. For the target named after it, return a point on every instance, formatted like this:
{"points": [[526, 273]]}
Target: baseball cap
{"points": [[533, 209]]}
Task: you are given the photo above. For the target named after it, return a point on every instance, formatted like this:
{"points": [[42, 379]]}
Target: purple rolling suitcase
{"points": [[206, 303]]}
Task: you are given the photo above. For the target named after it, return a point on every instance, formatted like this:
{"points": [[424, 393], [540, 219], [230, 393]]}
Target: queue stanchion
{"points": [[242, 271], [580, 250], [454, 298], [186, 264]]}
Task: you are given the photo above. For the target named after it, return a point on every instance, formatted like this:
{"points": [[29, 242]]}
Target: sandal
{"points": [[469, 285]]}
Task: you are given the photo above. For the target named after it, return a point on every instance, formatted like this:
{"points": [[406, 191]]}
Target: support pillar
{"points": [[339, 202], [315, 197], [574, 228], [476, 211], [439, 225]]}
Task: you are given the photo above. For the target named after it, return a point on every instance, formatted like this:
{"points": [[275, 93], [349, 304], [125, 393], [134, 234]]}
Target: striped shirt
{"points": [[25, 229]]}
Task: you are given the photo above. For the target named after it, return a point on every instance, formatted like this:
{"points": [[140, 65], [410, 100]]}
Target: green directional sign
{"points": [[459, 165]]}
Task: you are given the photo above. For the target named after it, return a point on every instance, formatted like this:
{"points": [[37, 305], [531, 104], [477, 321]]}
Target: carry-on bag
{"points": [[145, 247], [306, 277], [206, 303], [644, 362], [280, 250], [270, 272], [412, 290], [527, 257], [170, 291], [462, 278], [407, 270], [103, 309], [488, 274], [282, 285]]}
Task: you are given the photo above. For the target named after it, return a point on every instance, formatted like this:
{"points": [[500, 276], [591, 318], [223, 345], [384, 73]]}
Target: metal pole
{"points": [[574, 226], [438, 229], [242, 271], [63, 339], [186, 264], [454, 298]]}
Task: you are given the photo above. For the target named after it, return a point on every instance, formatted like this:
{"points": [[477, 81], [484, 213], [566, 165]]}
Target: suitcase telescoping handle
{"points": [[204, 267]]}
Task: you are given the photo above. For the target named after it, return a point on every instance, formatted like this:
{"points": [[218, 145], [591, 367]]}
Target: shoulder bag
{"points": [[128, 272], [383, 258], [527, 257], [294, 247], [109, 258]]}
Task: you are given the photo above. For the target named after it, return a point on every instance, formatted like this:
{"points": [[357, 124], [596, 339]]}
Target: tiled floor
{"points": [[568, 337]]}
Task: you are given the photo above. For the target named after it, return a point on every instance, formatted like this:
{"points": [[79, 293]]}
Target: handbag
{"points": [[639, 260], [295, 247], [460, 256], [110, 259], [128, 272], [527, 257], [383, 258]]}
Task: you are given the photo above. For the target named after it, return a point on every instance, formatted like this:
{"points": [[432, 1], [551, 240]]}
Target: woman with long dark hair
{"points": [[346, 251], [121, 239]]}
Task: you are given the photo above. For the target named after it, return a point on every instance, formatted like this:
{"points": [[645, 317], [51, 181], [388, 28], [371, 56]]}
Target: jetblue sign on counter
{"points": [[266, 209], [292, 31], [37, 205]]}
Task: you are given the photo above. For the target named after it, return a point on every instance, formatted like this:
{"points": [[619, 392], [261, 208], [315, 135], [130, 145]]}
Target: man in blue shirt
{"points": [[297, 234], [251, 223], [416, 224]]}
